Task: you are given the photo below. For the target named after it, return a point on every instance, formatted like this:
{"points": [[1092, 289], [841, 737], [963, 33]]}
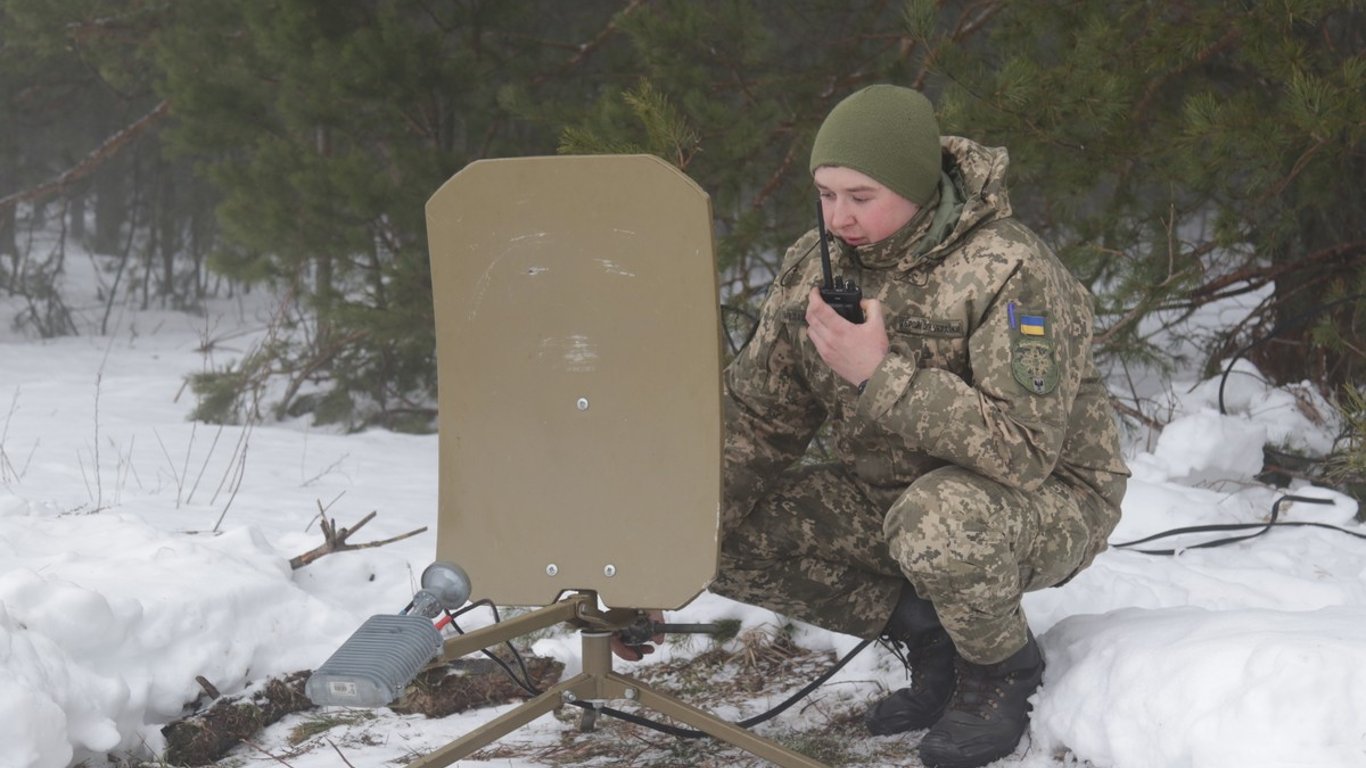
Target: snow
{"points": [[1209, 686], [139, 551]]}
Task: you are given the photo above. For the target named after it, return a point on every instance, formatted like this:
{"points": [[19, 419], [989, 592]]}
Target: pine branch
{"points": [[1264, 274], [587, 49], [1154, 87], [776, 179]]}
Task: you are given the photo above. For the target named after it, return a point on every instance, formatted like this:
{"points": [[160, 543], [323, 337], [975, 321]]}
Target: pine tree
{"points": [[1175, 154], [82, 115], [325, 127], [1179, 154]]}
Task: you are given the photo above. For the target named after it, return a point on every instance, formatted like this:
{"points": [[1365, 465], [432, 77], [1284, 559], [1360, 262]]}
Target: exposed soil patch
{"points": [[458, 687], [204, 737]]}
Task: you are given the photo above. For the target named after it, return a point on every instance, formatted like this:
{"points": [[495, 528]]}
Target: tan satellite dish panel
{"points": [[578, 345]]}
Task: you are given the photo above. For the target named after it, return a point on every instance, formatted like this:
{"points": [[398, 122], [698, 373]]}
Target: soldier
{"points": [[975, 452]]}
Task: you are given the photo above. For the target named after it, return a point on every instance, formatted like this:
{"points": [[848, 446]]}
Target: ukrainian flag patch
{"points": [[1032, 325], [1033, 359]]}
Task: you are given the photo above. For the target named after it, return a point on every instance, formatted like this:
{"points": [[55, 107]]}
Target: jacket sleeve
{"points": [[1008, 419], [771, 413]]}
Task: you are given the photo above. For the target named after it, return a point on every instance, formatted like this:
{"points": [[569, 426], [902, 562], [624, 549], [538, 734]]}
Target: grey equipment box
{"points": [[376, 663]]}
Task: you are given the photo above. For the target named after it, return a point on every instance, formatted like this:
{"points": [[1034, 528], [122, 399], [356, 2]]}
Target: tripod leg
{"points": [[598, 682], [710, 724], [499, 726]]}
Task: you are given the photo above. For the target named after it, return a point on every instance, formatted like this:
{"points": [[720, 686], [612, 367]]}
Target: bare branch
{"points": [[587, 49], [1269, 273], [335, 540], [339, 753], [1128, 410], [208, 687], [90, 162]]}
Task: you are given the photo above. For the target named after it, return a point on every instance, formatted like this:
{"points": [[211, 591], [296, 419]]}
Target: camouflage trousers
{"points": [[828, 549]]}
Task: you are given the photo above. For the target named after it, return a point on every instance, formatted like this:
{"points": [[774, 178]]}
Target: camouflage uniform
{"points": [[981, 461]]}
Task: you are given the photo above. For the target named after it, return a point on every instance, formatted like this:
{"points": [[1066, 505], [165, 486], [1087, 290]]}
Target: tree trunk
{"points": [[75, 208], [7, 243], [168, 244], [111, 208]]}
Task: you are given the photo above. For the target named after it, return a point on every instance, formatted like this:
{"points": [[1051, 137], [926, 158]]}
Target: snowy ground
{"points": [[134, 557]]}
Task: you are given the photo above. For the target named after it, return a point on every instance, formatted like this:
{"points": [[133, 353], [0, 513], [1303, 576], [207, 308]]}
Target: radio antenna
{"points": [[825, 245], [840, 293]]}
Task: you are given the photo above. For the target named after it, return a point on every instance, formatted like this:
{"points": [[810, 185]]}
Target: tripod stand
{"points": [[596, 683]]}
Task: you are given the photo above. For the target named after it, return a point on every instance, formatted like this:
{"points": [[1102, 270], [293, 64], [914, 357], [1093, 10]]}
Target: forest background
{"points": [[1173, 153]]}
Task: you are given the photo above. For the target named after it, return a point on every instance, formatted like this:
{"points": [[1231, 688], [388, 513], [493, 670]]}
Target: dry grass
{"points": [[761, 668], [742, 677]]}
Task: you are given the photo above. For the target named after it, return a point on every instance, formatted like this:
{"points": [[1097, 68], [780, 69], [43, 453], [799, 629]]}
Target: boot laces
{"points": [[912, 655], [978, 692], [899, 649]]}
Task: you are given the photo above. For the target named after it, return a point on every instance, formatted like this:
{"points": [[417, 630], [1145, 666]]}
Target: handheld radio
{"points": [[841, 294]]}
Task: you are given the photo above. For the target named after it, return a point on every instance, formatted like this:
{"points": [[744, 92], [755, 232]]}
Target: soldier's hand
{"points": [[638, 652], [852, 350]]}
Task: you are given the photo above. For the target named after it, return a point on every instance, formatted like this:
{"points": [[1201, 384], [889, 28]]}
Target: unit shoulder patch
{"points": [[1032, 358]]}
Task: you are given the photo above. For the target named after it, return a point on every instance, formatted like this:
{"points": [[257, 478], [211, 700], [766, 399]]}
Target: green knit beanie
{"points": [[887, 132]]}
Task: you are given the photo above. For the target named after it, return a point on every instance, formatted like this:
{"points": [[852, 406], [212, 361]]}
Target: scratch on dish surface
{"points": [[482, 284], [614, 268], [576, 352]]}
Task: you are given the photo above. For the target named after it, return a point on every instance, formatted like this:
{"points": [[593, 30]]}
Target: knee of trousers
{"points": [[752, 542], [950, 532]]}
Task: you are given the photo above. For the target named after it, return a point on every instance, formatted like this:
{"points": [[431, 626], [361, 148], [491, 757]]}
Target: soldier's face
{"points": [[859, 210]]}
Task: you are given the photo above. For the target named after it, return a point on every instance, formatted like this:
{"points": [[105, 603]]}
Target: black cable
{"points": [[525, 682], [1274, 522], [689, 733], [1288, 324]]}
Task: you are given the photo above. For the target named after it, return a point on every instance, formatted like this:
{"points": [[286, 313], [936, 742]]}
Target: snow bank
{"points": [[1207, 689]]}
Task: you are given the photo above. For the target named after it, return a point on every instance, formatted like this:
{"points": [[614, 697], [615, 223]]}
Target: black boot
{"points": [[929, 655], [989, 711], [930, 659]]}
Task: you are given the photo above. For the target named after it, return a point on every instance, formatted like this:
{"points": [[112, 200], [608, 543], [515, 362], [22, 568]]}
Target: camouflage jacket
{"points": [[990, 365]]}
